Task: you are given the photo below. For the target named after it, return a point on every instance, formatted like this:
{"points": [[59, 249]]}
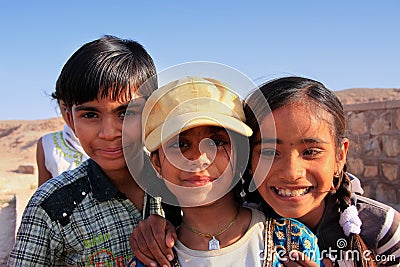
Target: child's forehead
{"points": [[122, 101], [305, 108], [129, 95], [301, 116]]}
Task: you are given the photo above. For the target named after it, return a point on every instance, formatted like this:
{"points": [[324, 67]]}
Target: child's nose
{"points": [[294, 169], [110, 129], [201, 163], [202, 155]]}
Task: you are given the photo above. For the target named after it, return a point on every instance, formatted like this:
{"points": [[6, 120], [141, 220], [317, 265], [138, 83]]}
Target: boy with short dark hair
{"points": [[84, 217]]}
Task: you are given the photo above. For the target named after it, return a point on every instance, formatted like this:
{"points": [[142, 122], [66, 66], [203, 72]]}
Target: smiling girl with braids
{"points": [[307, 178]]}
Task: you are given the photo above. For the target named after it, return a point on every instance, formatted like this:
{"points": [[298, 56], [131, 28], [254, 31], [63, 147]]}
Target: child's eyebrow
{"points": [[269, 141], [137, 102], [85, 108], [302, 141], [314, 140], [134, 105], [121, 107]]}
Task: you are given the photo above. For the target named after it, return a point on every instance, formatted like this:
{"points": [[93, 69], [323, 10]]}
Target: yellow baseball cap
{"points": [[187, 103]]}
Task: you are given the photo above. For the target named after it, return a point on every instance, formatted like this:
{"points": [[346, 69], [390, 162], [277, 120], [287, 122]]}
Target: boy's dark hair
{"points": [[106, 67]]}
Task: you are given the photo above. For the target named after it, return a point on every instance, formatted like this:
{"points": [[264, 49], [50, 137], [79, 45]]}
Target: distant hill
{"points": [[362, 95], [18, 139]]}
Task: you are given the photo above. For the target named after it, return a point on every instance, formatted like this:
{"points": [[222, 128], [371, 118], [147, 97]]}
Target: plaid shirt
{"points": [[78, 219]]}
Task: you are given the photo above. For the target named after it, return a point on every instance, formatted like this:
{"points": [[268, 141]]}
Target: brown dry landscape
{"points": [[18, 145]]}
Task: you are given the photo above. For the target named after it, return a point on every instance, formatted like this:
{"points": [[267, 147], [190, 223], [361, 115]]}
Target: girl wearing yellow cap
{"points": [[198, 142]]}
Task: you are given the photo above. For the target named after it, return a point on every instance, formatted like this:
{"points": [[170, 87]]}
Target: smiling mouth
{"points": [[111, 150], [200, 180], [286, 192]]}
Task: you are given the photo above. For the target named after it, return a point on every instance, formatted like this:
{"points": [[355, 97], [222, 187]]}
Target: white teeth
{"points": [[291, 193], [288, 193]]}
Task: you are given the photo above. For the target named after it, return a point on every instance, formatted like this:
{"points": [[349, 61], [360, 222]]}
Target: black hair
{"points": [[283, 91], [106, 67]]}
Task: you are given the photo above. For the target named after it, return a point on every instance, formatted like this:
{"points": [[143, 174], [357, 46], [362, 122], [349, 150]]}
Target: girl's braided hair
{"points": [[344, 199]]}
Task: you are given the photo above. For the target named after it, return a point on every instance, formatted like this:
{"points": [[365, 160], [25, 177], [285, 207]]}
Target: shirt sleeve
{"points": [[389, 240], [37, 239], [154, 206]]}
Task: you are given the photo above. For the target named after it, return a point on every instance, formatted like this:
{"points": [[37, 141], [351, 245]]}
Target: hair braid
{"points": [[343, 196]]}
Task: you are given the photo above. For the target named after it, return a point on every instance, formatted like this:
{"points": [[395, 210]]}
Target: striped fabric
{"points": [[380, 231]]}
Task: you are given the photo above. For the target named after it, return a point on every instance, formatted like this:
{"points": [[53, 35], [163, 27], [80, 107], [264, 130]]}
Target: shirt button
{"points": [[64, 214]]}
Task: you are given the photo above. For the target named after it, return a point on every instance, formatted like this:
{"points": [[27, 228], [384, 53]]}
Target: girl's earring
{"points": [[242, 193], [159, 176], [336, 182]]}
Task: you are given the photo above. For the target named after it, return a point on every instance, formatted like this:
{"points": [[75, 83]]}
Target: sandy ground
{"points": [[18, 147], [18, 188]]}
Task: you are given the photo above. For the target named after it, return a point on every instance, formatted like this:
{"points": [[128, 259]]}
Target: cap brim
{"points": [[177, 124]]}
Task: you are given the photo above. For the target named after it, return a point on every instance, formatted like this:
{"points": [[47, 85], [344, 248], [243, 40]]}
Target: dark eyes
{"points": [[268, 152], [89, 115], [308, 153], [122, 114], [217, 142], [127, 113], [178, 144], [311, 152], [210, 142]]}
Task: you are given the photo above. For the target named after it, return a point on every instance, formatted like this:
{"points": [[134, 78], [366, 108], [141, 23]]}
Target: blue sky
{"points": [[344, 44]]}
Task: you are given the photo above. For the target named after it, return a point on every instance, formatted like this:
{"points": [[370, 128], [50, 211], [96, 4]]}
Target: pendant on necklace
{"points": [[213, 244]]}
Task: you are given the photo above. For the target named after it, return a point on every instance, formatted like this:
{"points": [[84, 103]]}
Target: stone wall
{"points": [[374, 153]]}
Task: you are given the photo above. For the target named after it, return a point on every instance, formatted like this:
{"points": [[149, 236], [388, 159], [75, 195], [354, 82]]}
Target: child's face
{"points": [[196, 158], [304, 158], [98, 125]]}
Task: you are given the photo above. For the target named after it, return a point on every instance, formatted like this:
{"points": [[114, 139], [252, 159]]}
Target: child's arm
{"points": [[152, 241], [43, 173]]}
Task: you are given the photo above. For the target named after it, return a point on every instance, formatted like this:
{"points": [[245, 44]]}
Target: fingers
{"points": [[146, 261], [296, 258], [327, 262], [140, 249], [170, 235], [161, 241]]}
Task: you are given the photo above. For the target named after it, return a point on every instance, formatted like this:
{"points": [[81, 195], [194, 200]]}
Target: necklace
{"points": [[213, 244]]}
